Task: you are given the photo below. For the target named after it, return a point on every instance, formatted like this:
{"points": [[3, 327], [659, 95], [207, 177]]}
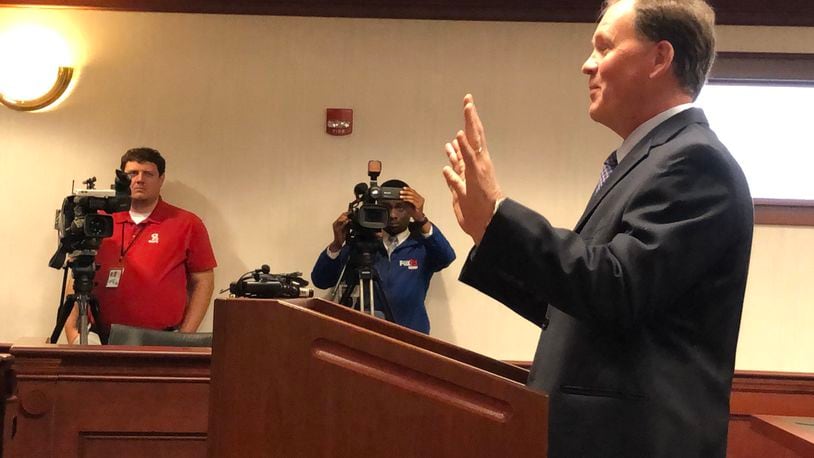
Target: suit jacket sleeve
{"points": [[679, 215]]}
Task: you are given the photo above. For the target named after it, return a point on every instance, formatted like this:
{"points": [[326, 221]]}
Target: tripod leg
{"points": [[364, 303], [62, 316], [346, 295], [385, 304], [371, 299], [336, 288], [96, 326], [84, 305]]}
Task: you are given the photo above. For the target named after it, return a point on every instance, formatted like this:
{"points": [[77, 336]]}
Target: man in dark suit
{"points": [[640, 304]]}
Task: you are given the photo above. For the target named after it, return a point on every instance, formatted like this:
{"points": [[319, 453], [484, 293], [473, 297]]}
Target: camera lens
{"points": [[98, 226]]}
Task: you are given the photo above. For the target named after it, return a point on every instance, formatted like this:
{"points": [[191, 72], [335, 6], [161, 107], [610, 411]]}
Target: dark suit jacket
{"points": [[640, 304]]}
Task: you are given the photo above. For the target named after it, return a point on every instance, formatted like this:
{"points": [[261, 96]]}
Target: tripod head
{"points": [[360, 275], [83, 268], [363, 249], [82, 265]]}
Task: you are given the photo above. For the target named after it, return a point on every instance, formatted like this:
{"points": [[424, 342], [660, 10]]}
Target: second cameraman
{"points": [[410, 253]]}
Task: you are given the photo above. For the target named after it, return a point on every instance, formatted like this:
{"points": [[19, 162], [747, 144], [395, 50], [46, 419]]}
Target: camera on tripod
{"points": [[368, 216], [78, 223], [261, 283], [81, 229]]}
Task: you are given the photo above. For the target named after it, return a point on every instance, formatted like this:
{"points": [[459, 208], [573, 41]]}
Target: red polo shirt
{"points": [[156, 256]]}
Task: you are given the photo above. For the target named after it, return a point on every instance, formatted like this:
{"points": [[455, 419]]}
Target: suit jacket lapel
{"points": [[658, 136]]}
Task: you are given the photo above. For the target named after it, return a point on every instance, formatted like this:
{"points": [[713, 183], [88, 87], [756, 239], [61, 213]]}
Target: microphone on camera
{"points": [[264, 269], [359, 190]]}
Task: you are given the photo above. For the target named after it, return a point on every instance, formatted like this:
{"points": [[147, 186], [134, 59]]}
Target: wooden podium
{"points": [[310, 378]]}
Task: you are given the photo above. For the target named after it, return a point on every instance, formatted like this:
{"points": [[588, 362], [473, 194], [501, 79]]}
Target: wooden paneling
{"points": [[795, 433], [141, 445], [8, 401], [126, 401], [784, 212], [772, 393], [736, 12], [767, 393], [86, 401], [763, 68]]}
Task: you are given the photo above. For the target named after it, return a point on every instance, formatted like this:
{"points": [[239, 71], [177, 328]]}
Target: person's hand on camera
{"points": [[416, 201], [340, 229]]}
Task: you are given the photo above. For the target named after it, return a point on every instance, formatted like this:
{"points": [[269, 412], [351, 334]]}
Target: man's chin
{"points": [[595, 113], [141, 199]]}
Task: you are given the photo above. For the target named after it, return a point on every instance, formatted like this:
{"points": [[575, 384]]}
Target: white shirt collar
{"points": [[139, 217], [400, 237], [637, 135]]}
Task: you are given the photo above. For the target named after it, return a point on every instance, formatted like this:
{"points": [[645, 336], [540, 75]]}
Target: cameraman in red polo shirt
{"points": [[156, 271]]}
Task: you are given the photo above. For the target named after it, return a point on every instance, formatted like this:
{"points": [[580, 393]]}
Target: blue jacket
{"points": [[405, 278]]}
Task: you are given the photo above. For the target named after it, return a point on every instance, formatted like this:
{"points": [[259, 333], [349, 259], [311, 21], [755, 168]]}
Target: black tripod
{"points": [[360, 273], [83, 268]]}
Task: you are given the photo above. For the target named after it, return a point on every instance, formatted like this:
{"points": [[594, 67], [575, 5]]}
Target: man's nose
{"points": [[589, 66]]}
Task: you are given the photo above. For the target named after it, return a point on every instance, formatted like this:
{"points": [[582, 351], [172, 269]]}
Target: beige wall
{"points": [[237, 105]]}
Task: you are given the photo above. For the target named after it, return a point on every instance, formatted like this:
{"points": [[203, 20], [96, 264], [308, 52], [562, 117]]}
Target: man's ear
{"points": [[663, 59]]}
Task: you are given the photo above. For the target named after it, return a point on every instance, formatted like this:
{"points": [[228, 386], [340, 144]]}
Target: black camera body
{"points": [[261, 283], [367, 214], [79, 224]]}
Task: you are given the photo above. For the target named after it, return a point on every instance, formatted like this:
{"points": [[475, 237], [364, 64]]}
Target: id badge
{"points": [[114, 277]]}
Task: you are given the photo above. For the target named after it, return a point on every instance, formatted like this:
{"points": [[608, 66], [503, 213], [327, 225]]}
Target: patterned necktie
{"points": [[392, 241], [607, 169]]}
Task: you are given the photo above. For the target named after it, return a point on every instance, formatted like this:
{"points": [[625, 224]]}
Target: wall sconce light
{"points": [[64, 75], [33, 70]]}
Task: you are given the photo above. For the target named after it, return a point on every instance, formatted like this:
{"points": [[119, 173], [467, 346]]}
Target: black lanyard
{"points": [[124, 250]]}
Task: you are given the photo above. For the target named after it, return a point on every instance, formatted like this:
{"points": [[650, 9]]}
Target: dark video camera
{"points": [[261, 283], [80, 225], [366, 211]]}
